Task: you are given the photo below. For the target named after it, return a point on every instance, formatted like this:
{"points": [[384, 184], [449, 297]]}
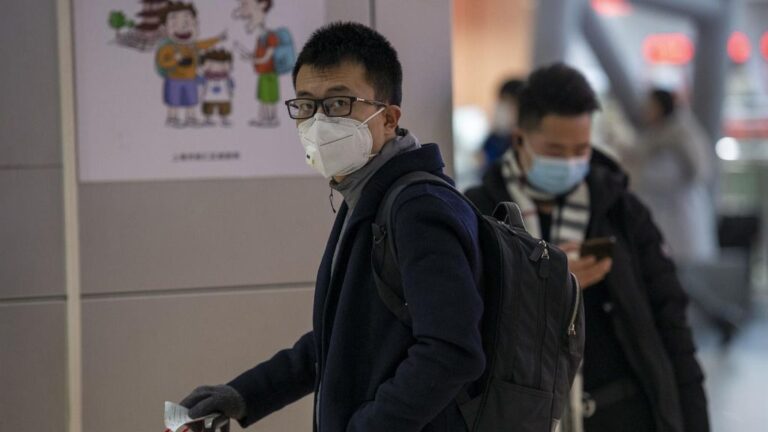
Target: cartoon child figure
{"points": [[254, 13], [177, 61], [218, 86]]}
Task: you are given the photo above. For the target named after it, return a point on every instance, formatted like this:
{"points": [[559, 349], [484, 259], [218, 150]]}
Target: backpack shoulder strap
{"points": [[386, 271]]}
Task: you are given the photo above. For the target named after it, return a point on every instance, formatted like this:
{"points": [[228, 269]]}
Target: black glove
{"points": [[223, 399], [220, 424]]}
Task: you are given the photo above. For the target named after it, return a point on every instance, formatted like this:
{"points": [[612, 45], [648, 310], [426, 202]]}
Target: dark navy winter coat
{"points": [[369, 372]]}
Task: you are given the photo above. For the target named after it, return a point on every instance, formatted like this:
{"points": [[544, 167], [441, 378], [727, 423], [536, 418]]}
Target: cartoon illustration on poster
{"points": [[272, 56], [186, 89], [177, 61], [218, 85]]}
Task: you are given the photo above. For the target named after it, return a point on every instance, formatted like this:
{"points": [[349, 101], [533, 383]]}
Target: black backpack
{"points": [[532, 326]]}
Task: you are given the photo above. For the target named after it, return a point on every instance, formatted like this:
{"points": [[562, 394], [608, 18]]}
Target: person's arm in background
{"points": [[669, 302], [262, 390], [205, 44], [272, 42], [434, 255]]}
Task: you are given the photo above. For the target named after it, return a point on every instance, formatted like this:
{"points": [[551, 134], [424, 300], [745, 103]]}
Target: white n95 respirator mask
{"points": [[336, 146]]}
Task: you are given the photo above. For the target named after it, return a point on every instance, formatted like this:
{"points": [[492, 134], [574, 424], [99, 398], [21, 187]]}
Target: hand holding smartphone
{"points": [[599, 247]]}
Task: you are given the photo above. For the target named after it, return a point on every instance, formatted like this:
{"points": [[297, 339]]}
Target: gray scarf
{"points": [[351, 188]]}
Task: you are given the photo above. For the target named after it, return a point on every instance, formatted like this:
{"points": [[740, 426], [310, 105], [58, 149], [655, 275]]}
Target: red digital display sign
{"points": [[739, 48], [764, 45], [612, 7], [668, 48]]}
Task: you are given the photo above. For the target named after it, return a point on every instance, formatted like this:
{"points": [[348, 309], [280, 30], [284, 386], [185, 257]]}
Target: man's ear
{"points": [[392, 117]]}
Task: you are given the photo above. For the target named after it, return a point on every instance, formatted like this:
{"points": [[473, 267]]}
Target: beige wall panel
{"points": [[192, 234], [32, 367], [348, 10], [421, 33], [31, 233], [139, 352], [29, 105]]}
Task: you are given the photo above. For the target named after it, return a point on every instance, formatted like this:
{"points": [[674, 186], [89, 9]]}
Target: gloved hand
{"points": [[222, 399]]}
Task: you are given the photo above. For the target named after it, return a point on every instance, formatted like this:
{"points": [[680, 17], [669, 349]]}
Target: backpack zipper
{"points": [[575, 312], [541, 255], [539, 251]]}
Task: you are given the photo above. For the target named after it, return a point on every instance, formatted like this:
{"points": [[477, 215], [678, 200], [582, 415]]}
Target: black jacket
{"points": [[369, 372], [649, 315]]}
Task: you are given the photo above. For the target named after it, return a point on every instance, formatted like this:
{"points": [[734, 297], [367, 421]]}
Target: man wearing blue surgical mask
{"points": [[639, 373]]}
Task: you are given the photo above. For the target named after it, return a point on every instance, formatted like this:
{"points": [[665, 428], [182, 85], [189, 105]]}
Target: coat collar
{"points": [[427, 158], [607, 183]]}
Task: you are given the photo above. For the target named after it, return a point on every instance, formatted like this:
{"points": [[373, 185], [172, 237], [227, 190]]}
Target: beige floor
{"points": [[737, 375]]}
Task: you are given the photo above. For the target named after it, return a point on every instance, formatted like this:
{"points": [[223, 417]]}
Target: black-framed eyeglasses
{"points": [[334, 106]]}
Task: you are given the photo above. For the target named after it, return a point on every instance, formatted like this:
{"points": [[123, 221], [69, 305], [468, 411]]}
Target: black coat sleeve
{"points": [[438, 261], [284, 379], [669, 302]]}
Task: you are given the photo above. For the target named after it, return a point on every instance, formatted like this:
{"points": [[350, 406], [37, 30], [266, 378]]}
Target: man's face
{"points": [[557, 136], [252, 11], [182, 26], [348, 79]]}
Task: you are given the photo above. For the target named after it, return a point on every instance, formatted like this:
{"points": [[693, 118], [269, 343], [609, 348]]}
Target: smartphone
{"points": [[600, 247]]}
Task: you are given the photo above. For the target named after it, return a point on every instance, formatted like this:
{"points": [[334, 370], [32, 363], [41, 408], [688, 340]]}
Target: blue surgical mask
{"points": [[557, 176]]}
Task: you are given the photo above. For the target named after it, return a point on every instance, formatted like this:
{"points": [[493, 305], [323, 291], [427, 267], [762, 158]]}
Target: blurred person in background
{"points": [[504, 122], [672, 168]]}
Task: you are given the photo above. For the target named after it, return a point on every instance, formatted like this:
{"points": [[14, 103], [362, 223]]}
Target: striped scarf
{"points": [[570, 215]]}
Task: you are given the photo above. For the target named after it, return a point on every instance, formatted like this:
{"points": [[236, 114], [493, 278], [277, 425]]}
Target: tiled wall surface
{"points": [[32, 304]]}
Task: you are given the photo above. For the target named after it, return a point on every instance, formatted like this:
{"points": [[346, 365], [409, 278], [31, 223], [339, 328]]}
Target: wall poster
{"points": [[188, 89]]}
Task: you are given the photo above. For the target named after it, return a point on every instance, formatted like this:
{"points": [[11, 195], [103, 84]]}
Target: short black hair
{"points": [[335, 43], [511, 88], [555, 89], [666, 100]]}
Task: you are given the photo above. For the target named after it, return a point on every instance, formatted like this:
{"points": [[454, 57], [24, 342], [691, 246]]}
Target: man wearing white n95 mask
{"points": [[368, 371], [337, 146]]}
